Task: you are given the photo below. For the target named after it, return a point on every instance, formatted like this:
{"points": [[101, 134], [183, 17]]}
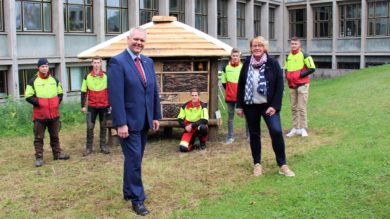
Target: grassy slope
{"points": [[347, 177]]}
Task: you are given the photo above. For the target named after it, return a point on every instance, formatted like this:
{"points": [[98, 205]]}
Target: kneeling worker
{"points": [[193, 117]]}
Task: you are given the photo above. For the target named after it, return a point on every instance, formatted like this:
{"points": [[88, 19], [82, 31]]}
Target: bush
{"points": [[16, 116]]}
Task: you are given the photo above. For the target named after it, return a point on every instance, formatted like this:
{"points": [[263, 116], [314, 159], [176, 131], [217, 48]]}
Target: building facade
{"points": [[339, 34]]}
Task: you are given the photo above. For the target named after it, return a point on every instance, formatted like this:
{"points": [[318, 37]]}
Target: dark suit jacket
{"points": [[129, 99], [275, 85]]}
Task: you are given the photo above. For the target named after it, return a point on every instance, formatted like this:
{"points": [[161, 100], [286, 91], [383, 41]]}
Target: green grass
{"points": [[343, 167], [347, 177]]}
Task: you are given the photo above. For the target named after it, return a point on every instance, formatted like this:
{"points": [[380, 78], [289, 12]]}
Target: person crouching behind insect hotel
{"points": [[193, 117]]}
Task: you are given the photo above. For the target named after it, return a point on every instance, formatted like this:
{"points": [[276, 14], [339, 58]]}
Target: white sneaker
{"points": [[229, 141], [285, 171], [257, 170], [293, 132], [304, 132]]}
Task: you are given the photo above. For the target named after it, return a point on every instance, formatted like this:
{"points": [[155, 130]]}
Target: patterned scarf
{"points": [[262, 86]]}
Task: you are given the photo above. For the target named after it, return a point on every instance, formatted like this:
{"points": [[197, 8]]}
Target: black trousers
{"points": [[53, 126], [253, 114], [92, 114]]}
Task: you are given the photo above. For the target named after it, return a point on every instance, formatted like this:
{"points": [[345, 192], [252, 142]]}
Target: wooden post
{"points": [[213, 98]]}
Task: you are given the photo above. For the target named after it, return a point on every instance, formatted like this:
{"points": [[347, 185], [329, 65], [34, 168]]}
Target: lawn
{"points": [[343, 167]]}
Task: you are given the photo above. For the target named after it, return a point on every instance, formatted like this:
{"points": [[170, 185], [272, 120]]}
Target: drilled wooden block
{"points": [[176, 66], [184, 82]]}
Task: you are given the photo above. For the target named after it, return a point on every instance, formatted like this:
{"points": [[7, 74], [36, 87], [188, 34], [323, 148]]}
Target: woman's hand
{"points": [[240, 112], [270, 111]]}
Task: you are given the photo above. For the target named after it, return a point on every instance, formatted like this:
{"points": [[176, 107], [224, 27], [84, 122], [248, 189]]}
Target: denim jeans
{"points": [[253, 114]]}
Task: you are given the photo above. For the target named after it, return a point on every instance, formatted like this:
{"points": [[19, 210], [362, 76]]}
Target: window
{"points": [[298, 23], [33, 15], [350, 20], [322, 21], [3, 84], [177, 9], [78, 16], [222, 18], [323, 61], [75, 77], [271, 24], [25, 76], [378, 18], [348, 62], [257, 20], [116, 16], [1, 16], [201, 15], [148, 8], [240, 19]]}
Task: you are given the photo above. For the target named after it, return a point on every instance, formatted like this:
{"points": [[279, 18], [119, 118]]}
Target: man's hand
{"points": [[123, 131], [84, 110], [270, 111], [156, 125], [189, 128], [240, 112]]}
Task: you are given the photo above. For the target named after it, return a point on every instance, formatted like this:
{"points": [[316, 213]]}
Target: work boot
{"points": [[38, 162], [103, 133], [87, 152], [202, 145], [62, 156]]}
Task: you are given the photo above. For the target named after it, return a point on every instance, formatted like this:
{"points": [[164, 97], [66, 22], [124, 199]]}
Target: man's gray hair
{"points": [[134, 29]]}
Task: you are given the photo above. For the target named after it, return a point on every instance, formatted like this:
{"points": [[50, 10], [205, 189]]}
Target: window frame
{"points": [[201, 11], [373, 20], [4, 76], [222, 18], [271, 23], [84, 6], [318, 23], [240, 20], [180, 14], [123, 10], [257, 20], [43, 22], [343, 20], [293, 22], [153, 10]]}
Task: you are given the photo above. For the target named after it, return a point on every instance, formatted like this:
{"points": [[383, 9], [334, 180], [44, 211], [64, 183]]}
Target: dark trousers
{"points": [[91, 119], [253, 114], [133, 148], [53, 126]]}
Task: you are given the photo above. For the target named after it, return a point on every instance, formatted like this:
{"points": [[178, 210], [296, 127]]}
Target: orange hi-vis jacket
{"points": [[295, 64], [45, 94], [95, 88]]}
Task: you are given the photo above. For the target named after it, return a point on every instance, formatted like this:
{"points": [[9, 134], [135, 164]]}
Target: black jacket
{"points": [[275, 85]]}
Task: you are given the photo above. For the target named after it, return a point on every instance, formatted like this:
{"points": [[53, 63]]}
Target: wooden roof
{"points": [[166, 37]]}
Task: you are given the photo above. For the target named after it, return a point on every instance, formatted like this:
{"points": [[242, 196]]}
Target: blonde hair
{"points": [[261, 40]]}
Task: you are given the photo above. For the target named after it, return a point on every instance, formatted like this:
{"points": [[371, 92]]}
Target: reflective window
{"points": [[257, 20], [78, 16], [201, 15], [271, 27], [1, 16], [147, 9], [33, 15], [177, 9], [25, 75], [222, 18], [378, 18], [75, 77], [350, 25], [240, 19], [116, 16], [322, 21], [298, 23], [3, 84]]}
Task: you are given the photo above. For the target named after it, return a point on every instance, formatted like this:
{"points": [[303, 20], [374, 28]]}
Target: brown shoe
{"points": [[257, 170], [285, 171]]}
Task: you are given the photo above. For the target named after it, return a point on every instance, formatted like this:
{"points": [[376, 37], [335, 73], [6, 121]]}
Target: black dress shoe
{"points": [[140, 209]]}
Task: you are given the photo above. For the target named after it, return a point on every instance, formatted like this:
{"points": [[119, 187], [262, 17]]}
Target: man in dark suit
{"points": [[135, 102]]}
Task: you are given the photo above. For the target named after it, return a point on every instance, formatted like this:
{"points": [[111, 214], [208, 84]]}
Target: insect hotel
{"points": [[184, 58]]}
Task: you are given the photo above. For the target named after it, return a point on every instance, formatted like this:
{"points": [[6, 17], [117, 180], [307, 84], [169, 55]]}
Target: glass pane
{"points": [[145, 4], [76, 1], [124, 4], [371, 9], [76, 75], [76, 18], [113, 20], [173, 5], [24, 77], [381, 9], [32, 16], [47, 16], [381, 26], [88, 2], [1, 16], [113, 3], [125, 26], [89, 19], [65, 20], [3, 83], [370, 27], [18, 16]]}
